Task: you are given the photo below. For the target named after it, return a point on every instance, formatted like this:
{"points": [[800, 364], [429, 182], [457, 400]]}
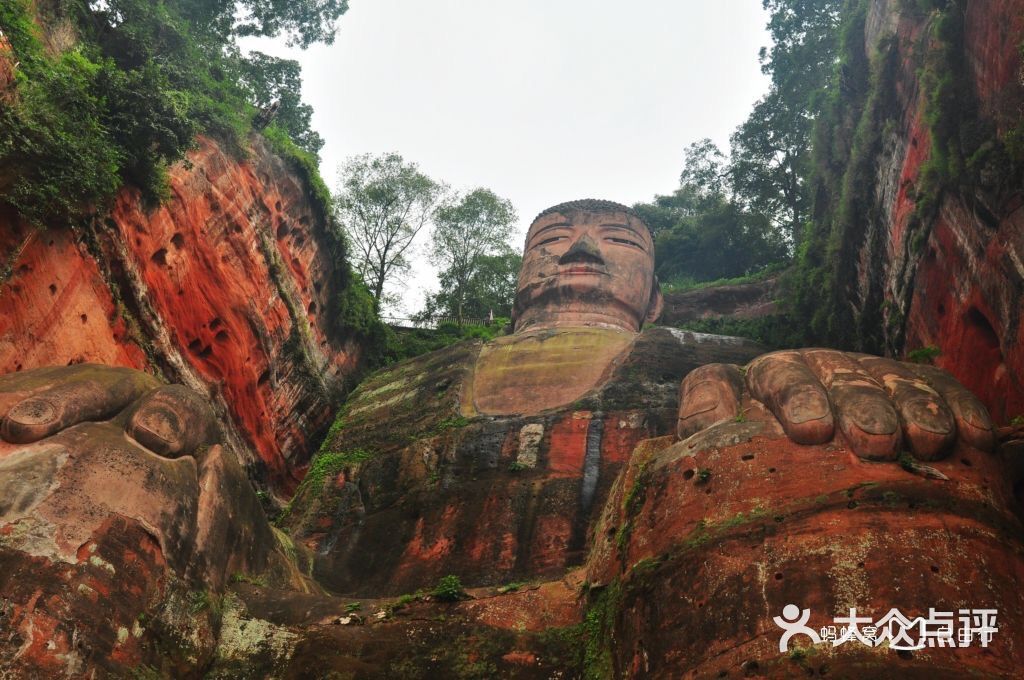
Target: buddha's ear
{"points": [[657, 303]]}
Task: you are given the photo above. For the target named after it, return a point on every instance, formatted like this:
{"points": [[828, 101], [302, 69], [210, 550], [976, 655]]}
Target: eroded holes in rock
{"points": [[299, 241], [771, 469], [205, 352], [84, 317], [723, 673], [860, 565], [51, 243], [966, 462], [316, 286], [195, 345], [53, 289], [942, 309], [178, 240], [778, 576], [982, 327], [215, 323], [24, 269], [688, 474], [264, 377], [851, 505], [935, 569], [312, 308], [160, 257], [747, 456], [277, 205], [750, 668], [222, 336], [138, 242], [913, 142], [304, 220], [905, 654], [296, 264], [17, 367], [282, 230], [707, 491]]}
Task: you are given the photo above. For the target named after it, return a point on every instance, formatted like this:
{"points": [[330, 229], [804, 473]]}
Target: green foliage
{"points": [[470, 247], [242, 577], [684, 284], [924, 355], [328, 464], [451, 423], [276, 84], [112, 94], [489, 289], [412, 342], [598, 624], [383, 203], [776, 331], [703, 231], [356, 316], [449, 589]]}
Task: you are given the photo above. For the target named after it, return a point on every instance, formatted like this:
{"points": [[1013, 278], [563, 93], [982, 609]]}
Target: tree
{"points": [[382, 204], [303, 22], [489, 290], [467, 230], [770, 152], [702, 231], [272, 82]]}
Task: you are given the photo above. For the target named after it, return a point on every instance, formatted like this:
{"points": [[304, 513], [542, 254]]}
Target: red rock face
{"points": [[226, 287], [422, 485], [704, 541], [960, 289]]}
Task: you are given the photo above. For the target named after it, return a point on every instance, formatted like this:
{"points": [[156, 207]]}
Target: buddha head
{"points": [[587, 263]]}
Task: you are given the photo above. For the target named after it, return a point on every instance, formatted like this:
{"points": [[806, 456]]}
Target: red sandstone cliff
{"points": [[226, 288], [954, 282]]}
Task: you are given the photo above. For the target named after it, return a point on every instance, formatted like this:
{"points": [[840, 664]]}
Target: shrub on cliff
{"points": [[112, 93]]}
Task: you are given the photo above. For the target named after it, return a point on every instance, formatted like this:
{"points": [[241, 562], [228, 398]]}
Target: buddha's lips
{"points": [[581, 269]]}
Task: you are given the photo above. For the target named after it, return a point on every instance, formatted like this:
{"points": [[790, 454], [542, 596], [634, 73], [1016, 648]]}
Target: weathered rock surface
{"points": [[955, 283], [112, 556], [737, 301], [415, 482], [226, 288], [705, 540]]}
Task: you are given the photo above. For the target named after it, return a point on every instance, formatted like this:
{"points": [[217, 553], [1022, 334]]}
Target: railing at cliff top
{"points": [[435, 321]]}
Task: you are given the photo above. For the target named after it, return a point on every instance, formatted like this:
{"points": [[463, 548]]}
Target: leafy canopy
{"points": [[383, 203]]}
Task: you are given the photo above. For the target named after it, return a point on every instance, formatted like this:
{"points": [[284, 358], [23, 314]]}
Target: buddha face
{"points": [[587, 268]]}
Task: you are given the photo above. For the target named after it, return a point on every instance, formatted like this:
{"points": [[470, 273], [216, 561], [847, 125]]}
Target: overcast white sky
{"points": [[542, 101]]}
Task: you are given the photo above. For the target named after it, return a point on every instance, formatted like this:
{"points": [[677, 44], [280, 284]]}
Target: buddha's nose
{"points": [[583, 250]]}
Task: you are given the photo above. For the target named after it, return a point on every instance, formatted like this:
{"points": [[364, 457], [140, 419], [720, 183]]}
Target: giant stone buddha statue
{"points": [[699, 483]]}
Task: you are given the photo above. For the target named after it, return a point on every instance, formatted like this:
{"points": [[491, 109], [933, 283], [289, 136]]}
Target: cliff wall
{"points": [[933, 255], [227, 287]]}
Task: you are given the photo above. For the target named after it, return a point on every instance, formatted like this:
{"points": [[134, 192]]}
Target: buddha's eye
{"points": [[548, 240], [625, 242]]}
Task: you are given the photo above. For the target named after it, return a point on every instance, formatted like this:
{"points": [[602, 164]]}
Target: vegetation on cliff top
{"points": [[103, 94]]}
